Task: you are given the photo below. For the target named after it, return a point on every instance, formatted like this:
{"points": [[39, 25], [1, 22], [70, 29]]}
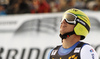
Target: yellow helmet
{"points": [[82, 26]]}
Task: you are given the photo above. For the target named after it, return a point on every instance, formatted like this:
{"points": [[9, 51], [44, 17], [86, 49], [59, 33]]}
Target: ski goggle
{"points": [[69, 18]]}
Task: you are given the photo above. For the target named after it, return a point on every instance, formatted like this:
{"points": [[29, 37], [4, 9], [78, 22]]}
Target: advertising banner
{"points": [[32, 36]]}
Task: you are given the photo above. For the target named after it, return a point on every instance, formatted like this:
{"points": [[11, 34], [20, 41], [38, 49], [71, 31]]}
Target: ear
{"points": [[80, 30]]}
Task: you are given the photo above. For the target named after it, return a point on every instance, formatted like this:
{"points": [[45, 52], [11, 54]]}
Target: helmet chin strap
{"points": [[66, 35]]}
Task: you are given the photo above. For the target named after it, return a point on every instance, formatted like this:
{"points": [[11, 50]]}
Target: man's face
{"points": [[65, 27]]}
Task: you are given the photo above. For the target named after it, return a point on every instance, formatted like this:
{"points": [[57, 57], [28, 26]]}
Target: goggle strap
{"points": [[83, 23]]}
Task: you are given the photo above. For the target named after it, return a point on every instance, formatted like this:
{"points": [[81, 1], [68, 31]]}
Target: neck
{"points": [[70, 41]]}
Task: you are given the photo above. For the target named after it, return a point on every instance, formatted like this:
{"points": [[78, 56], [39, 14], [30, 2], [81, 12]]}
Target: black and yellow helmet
{"points": [[81, 21]]}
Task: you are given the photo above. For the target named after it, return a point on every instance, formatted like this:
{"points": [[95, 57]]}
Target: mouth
{"points": [[63, 26]]}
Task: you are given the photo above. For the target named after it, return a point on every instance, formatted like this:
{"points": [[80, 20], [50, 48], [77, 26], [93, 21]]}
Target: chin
{"points": [[62, 33]]}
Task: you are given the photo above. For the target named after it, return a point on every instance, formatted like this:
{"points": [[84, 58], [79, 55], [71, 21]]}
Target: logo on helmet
{"points": [[80, 21]]}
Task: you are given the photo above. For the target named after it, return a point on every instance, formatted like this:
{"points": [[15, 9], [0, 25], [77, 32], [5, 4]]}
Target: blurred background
{"points": [[29, 29], [8, 7]]}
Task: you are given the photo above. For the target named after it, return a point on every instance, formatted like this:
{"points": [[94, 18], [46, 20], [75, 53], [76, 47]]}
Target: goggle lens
{"points": [[69, 18]]}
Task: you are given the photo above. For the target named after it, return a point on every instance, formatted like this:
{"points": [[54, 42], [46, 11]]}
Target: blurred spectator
{"points": [[13, 9], [11, 2], [48, 1], [80, 4], [2, 10], [39, 6], [98, 2], [92, 5], [34, 6], [53, 6], [66, 4], [4, 3], [23, 7], [62, 5], [44, 7], [71, 3]]}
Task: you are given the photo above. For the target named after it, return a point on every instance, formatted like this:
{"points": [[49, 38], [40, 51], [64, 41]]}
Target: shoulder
{"points": [[57, 47], [87, 48], [49, 54], [52, 50], [88, 52]]}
